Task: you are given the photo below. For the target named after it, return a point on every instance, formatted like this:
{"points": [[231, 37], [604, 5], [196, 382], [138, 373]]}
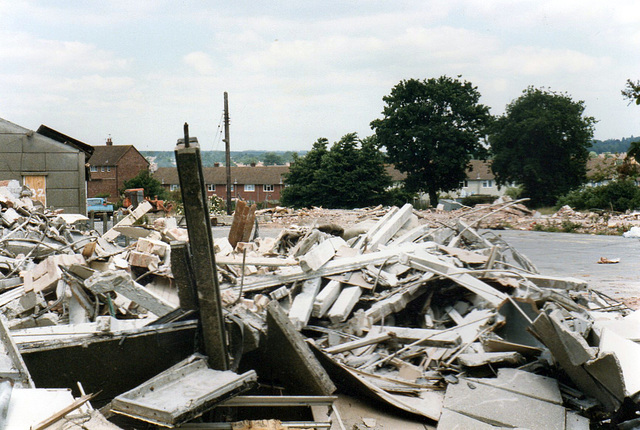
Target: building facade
{"points": [[53, 168], [257, 184], [110, 166]]}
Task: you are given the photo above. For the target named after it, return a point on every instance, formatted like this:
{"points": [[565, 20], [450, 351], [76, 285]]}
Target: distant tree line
{"points": [[613, 145], [431, 129], [209, 158]]}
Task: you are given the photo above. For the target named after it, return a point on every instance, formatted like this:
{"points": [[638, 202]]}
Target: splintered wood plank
{"points": [[242, 224]]}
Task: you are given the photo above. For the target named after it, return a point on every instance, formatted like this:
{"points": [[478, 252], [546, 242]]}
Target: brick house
{"points": [[110, 166], [249, 183]]}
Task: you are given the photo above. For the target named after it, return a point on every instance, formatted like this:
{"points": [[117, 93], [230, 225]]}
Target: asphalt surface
{"points": [[577, 255]]}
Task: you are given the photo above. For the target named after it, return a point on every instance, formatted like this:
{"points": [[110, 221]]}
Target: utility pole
{"points": [[227, 146]]}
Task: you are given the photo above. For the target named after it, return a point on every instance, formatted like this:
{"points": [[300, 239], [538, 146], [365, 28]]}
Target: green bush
{"points": [[513, 192], [617, 196]]}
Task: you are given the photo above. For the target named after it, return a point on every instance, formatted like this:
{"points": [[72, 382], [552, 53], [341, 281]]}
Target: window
{"points": [[211, 187], [174, 187], [464, 184], [249, 187], [487, 183], [232, 188], [268, 188], [102, 169], [94, 168], [108, 168]]}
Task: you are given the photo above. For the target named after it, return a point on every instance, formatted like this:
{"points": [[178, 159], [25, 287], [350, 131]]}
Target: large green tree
{"points": [[349, 174], [431, 129], [541, 142]]}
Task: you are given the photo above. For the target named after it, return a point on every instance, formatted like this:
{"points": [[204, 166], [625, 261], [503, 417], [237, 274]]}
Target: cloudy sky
{"points": [[298, 70]]}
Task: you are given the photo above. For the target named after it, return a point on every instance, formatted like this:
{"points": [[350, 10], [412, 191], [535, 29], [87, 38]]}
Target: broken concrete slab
{"points": [[628, 356], [122, 283], [499, 407], [559, 342], [526, 383]]}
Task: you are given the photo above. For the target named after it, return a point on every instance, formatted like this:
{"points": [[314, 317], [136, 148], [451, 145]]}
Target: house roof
{"points": [[396, 175], [109, 155], [479, 170], [63, 138], [218, 175]]}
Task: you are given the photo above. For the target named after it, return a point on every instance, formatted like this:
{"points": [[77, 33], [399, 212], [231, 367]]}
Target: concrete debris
{"points": [[417, 310]]}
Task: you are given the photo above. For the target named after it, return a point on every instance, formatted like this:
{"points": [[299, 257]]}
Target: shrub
{"points": [[616, 196]]}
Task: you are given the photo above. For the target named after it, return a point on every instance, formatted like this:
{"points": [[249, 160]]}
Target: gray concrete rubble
{"points": [[441, 326]]}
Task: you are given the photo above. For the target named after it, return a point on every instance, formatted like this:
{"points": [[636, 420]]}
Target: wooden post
{"points": [[194, 198]]}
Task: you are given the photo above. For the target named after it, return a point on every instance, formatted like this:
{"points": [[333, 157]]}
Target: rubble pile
{"points": [[432, 320], [493, 216]]}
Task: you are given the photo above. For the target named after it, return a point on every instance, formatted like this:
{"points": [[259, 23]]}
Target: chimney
{"points": [[109, 141]]}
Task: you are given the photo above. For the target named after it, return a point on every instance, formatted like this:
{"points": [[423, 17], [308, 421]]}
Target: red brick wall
{"points": [[129, 166], [259, 195], [131, 163]]}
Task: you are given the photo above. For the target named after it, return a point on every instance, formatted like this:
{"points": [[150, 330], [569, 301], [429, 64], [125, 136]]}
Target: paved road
{"points": [[577, 255]]}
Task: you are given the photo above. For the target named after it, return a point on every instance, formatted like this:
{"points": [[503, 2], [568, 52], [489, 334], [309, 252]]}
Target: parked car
{"points": [[99, 206]]}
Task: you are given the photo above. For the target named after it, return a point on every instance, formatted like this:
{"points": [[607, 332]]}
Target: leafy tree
{"points": [[152, 186], [271, 158], [541, 143], [431, 129], [302, 188], [349, 174], [632, 91]]}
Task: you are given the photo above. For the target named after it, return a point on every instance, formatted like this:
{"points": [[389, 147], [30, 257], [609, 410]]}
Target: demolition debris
{"points": [[389, 322]]}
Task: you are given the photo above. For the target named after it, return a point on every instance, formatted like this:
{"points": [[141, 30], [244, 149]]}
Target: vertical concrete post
{"points": [[194, 198]]}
